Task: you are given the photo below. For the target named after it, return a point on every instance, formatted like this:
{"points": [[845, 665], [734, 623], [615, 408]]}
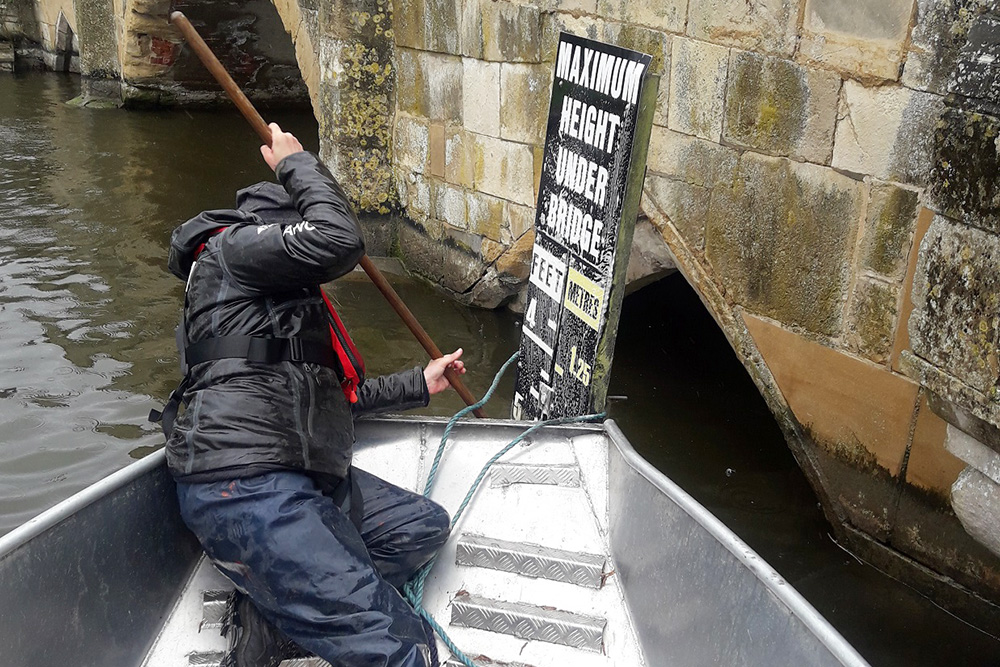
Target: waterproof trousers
{"points": [[331, 588]]}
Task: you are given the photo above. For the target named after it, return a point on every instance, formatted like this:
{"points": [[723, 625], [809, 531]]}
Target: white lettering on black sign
{"points": [[588, 147], [568, 224], [548, 272], [595, 127], [577, 173], [614, 76]]}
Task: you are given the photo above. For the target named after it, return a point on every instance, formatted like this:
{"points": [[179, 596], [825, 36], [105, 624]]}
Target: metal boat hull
{"points": [[90, 581], [93, 580]]}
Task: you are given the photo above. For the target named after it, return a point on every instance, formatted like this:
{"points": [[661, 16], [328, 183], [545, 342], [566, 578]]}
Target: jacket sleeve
{"points": [[325, 245], [392, 393]]}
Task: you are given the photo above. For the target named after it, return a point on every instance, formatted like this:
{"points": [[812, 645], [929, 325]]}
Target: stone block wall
{"points": [[825, 176], [822, 171], [472, 90], [42, 33], [17, 24]]}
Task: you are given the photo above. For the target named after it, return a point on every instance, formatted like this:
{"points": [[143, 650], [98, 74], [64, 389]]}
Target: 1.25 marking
{"points": [[579, 368]]}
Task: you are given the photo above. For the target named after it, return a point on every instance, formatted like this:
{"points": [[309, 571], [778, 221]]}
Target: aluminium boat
{"points": [[573, 551]]}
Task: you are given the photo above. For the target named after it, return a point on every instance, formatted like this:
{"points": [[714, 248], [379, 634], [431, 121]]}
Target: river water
{"points": [[88, 199]]}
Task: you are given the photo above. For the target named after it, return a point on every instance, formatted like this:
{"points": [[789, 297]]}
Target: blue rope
{"points": [[463, 412], [414, 588]]}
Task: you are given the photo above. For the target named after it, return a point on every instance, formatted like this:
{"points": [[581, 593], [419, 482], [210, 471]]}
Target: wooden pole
{"points": [[264, 132]]}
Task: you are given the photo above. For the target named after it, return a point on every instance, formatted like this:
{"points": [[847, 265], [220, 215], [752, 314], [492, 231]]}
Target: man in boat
{"points": [[262, 453]]}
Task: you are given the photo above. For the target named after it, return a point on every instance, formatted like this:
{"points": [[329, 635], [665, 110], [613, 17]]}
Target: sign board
{"points": [[600, 117]]}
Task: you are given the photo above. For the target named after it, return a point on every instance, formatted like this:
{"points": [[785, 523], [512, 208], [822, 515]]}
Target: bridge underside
{"points": [[130, 55]]}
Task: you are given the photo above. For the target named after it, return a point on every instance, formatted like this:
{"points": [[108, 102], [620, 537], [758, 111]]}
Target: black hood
{"points": [[187, 238], [262, 202], [270, 202]]}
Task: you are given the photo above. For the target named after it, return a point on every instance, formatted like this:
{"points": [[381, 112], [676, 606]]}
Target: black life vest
{"points": [[341, 355]]}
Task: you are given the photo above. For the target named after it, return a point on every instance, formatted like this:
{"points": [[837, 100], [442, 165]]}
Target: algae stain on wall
{"points": [[769, 113], [360, 127]]}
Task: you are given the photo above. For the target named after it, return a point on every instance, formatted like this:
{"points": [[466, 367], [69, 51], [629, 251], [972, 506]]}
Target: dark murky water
{"points": [[87, 202], [694, 413]]}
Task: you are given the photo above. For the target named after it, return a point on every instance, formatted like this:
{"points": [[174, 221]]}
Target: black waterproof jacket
{"points": [[261, 277]]}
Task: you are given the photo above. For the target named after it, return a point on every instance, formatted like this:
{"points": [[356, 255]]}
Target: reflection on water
{"points": [[88, 199]]}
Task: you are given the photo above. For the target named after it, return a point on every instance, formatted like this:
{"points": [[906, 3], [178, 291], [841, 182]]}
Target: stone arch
{"points": [[803, 254], [65, 47], [302, 24], [740, 225], [248, 38], [679, 211], [650, 258]]}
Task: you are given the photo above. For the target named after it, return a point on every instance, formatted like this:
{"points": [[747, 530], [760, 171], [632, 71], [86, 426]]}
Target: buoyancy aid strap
{"points": [[261, 350], [170, 410], [251, 348], [343, 338], [340, 355], [173, 405]]}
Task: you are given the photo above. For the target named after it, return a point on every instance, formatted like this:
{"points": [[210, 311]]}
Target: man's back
{"points": [[255, 272]]}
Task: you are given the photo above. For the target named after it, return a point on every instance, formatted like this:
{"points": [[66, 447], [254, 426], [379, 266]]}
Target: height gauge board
{"points": [[600, 117]]}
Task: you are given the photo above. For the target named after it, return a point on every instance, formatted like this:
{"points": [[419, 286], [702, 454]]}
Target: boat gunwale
{"points": [[776, 584], [80, 500], [90, 494]]}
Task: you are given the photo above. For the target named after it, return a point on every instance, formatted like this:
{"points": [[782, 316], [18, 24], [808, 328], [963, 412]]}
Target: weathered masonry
{"points": [[823, 172], [129, 55]]}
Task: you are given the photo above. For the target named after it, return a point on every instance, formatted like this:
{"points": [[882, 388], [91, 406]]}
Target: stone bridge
{"points": [[823, 173]]}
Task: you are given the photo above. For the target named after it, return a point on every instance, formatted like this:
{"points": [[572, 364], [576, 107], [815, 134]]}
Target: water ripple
{"points": [[87, 307]]}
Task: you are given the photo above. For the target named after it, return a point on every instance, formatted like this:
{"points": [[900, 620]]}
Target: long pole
{"points": [[264, 132]]}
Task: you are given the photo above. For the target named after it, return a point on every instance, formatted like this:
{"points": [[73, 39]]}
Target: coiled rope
{"points": [[414, 588]]}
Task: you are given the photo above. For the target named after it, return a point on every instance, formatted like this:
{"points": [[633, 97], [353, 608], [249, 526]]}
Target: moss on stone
{"points": [[955, 324], [84, 101], [362, 129], [873, 319], [414, 20], [509, 32], [853, 453], [891, 216], [411, 85], [779, 236], [142, 97], [766, 104], [966, 163], [652, 42], [486, 215]]}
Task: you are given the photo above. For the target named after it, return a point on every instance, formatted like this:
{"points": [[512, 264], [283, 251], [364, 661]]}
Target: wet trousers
{"points": [[331, 588]]}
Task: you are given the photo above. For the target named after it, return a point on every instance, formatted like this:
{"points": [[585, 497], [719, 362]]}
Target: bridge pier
{"points": [[797, 165], [133, 57], [100, 65]]}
